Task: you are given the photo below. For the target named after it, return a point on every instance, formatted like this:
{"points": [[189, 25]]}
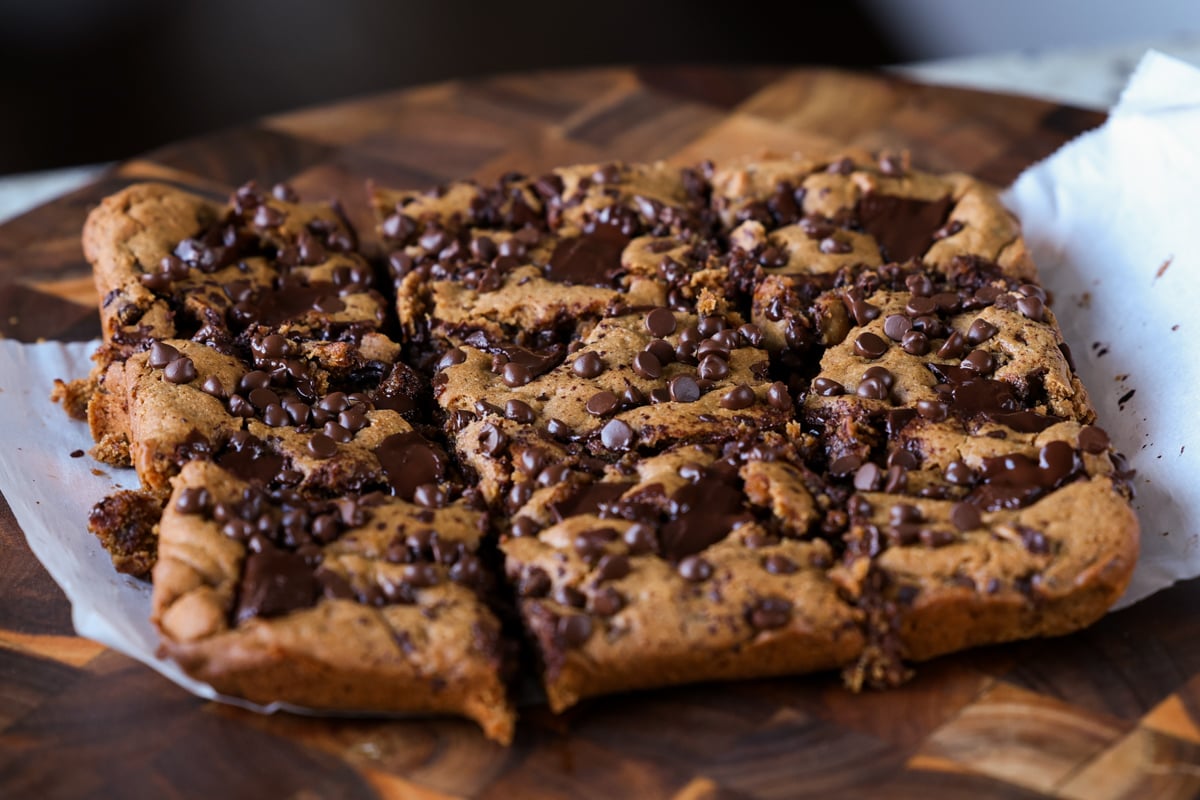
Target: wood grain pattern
{"points": [[1111, 712]]}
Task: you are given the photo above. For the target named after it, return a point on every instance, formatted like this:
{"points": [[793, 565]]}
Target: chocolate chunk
{"points": [[602, 404], [903, 227], [181, 370], [695, 569], [616, 435], [771, 613], [591, 259], [588, 365], [574, 629], [660, 322], [274, 583], [684, 389]]}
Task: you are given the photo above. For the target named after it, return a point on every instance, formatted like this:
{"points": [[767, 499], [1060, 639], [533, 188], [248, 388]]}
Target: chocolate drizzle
{"points": [[976, 398]]}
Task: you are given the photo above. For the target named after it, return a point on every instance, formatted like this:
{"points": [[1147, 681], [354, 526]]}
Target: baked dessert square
{"points": [[670, 424]]}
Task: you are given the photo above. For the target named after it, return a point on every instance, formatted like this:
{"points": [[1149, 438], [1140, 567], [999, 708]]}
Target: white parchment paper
{"points": [[1112, 218]]}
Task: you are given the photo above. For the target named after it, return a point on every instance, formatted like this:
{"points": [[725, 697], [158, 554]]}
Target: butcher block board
{"points": [[1113, 711]]}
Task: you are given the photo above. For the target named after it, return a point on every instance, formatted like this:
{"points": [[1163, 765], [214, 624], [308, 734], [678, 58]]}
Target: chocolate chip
{"points": [[491, 439], [868, 477], [612, 567], [1093, 440], [933, 410], [267, 217], [896, 480], [868, 345], [337, 432], [738, 397], [660, 322], [873, 389], [588, 365], [958, 473], [212, 385], [322, 446], [192, 500], [843, 466], [827, 387], [161, 354], [684, 389], [1030, 290], [602, 404], [832, 245], [1034, 540], [334, 402], [771, 613], [261, 398], [275, 416], [919, 284], [661, 350], [980, 331], [516, 374], [965, 516], [896, 325], [778, 397], [240, 406], [451, 357], [519, 411], [777, 564], [640, 539], [181, 370], [606, 601], [429, 495], [980, 361], [915, 343], [274, 345], [574, 629], [1032, 307], [946, 301], [525, 526], [751, 334], [616, 435], [647, 365], [934, 537], [918, 306], [256, 379], [713, 368], [955, 346], [695, 569]]}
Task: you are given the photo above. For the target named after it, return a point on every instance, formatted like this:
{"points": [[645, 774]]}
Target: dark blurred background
{"points": [[83, 81]]}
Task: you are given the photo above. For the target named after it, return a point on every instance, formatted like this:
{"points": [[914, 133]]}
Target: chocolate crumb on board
{"points": [[673, 424]]}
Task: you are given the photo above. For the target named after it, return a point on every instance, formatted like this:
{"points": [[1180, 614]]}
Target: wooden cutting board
{"points": [[1110, 712]]}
